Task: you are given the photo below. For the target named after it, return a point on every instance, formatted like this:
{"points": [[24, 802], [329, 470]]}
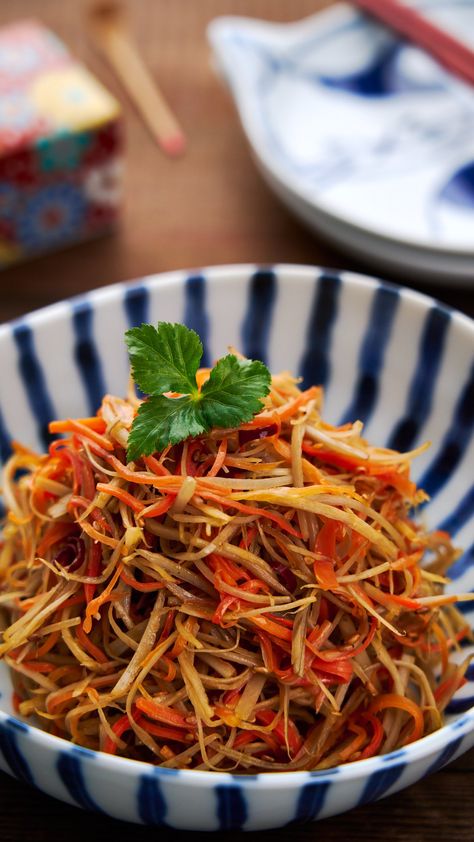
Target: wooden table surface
{"points": [[210, 207]]}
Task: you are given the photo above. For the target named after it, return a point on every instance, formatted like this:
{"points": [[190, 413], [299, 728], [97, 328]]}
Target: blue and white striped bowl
{"points": [[389, 356]]}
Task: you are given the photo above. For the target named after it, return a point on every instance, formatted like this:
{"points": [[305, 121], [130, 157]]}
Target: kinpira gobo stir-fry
{"points": [[215, 578]]}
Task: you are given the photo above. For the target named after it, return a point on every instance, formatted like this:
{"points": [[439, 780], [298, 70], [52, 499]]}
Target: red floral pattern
{"points": [[107, 142], [20, 168], [56, 185]]}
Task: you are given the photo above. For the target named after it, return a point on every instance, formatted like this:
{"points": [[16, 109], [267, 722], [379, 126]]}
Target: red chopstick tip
{"points": [[173, 145]]}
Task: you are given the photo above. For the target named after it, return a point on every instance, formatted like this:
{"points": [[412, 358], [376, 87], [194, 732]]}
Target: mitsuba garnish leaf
{"points": [[166, 359]]}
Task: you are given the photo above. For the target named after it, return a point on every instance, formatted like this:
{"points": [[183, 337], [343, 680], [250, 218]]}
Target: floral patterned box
{"points": [[60, 146]]}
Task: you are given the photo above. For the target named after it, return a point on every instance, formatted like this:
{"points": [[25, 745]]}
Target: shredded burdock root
{"points": [[253, 599]]}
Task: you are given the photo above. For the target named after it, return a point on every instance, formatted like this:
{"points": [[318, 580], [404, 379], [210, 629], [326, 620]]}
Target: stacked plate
{"points": [[364, 136]]}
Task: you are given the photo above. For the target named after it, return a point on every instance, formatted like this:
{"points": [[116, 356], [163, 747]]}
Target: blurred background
{"points": [[207, 206]]}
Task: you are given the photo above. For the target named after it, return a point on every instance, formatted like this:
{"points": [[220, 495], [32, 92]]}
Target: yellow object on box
{"points": [[71, 99], [60, 146]]}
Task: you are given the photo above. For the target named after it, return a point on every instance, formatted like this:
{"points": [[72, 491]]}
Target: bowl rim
{"points": [[417, 751], [222, 272], [420, 749]]}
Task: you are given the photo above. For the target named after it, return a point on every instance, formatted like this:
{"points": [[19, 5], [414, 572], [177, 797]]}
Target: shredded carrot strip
{"points": [[48, 644], [293, 406], [161, 713], [252, 510], [84, 430], [95, 604], [119, 728], [143, 587], [39, 666], [95, 423], [98, 536], [155, 466], [159, 508], [90, 647], [165, 733], [378, 733], [392, 700], [219, 460], [271, 627], [122, 495], [202, 375]]}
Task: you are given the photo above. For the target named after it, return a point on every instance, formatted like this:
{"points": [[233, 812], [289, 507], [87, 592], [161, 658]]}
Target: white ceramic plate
{"points": [[363, 135]]}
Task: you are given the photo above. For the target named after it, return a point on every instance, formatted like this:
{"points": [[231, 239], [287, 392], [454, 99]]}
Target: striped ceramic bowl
{"points": [[391, 357]]}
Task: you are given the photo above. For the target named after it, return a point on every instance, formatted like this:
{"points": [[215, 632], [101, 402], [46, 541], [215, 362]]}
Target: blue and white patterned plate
{"points": [[389, 356], [363, 135]]}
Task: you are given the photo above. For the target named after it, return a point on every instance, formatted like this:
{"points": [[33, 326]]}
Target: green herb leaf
{"points": [[161, 421], [234, 391], [164, 359]]}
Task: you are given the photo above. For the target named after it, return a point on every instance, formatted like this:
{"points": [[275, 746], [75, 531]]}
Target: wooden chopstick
{"points": [[112, 38], [451, 53]]}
